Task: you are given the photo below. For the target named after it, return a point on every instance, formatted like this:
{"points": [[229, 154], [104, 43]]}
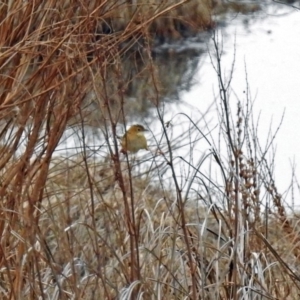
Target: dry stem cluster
{"points": [[101, 226]]}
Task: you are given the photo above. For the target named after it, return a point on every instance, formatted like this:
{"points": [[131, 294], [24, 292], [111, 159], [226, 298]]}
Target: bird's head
{"points": [[137, 130]]}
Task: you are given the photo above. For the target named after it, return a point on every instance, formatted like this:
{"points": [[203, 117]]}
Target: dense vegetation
{"points": [[91, 223]]}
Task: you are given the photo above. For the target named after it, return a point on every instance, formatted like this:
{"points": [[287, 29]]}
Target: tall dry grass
{"points": [[104, 226], [53, 54], [50, 52]]}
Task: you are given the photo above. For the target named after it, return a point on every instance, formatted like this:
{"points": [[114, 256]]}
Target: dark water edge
{"points": [[175, 61]]}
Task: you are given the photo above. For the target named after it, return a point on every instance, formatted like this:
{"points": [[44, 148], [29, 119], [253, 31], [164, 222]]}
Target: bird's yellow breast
{"points": [[134, 142]]}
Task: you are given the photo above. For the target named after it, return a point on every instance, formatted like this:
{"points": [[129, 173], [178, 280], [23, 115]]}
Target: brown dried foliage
{"points": [[49, 51]]}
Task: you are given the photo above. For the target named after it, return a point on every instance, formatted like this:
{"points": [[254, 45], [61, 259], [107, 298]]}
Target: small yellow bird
{"points": [[134, 140]]}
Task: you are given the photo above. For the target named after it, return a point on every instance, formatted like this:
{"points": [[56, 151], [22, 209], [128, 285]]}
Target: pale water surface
{"points": [[268, 47]]}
